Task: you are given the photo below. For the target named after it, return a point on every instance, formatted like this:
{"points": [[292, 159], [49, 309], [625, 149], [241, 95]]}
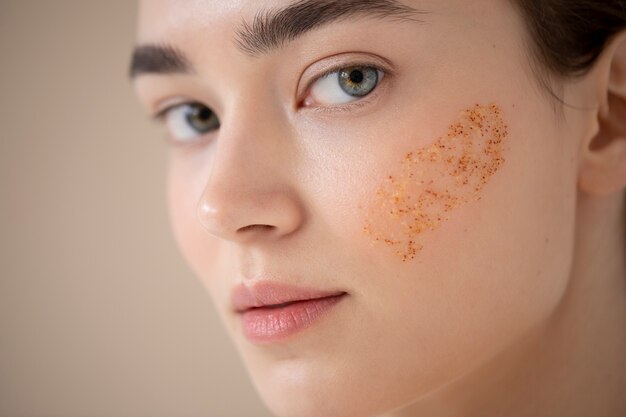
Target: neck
{"points": [[572, 365]]}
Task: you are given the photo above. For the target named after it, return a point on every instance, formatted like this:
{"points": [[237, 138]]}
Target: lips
{"points": [[271, 294], [270, 312]]}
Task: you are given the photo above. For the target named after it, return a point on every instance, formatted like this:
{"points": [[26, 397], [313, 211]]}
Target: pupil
{"points": [[356, 77], [203, 113]]}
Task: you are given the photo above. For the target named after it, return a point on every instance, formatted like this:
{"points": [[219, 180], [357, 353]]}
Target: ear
{"points": [[603, 156]]}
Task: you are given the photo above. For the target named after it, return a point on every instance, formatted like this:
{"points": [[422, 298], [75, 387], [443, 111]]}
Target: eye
{"points": [[343, 86], [189, 120]]}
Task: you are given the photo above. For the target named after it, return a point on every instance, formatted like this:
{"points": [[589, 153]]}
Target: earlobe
{"points": [[603, 157]]}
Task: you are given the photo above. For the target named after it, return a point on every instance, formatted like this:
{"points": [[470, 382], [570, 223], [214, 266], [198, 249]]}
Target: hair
{"points": [[570, 35]]}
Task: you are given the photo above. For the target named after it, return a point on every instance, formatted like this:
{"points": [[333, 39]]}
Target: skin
{"points": [[514, 305]]}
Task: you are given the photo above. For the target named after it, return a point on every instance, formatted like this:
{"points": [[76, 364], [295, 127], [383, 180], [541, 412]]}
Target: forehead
{"points": [[160, 17]]}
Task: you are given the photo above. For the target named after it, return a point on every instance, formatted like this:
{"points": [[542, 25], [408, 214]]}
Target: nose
{"points": [[243, 215], [249, 196]]}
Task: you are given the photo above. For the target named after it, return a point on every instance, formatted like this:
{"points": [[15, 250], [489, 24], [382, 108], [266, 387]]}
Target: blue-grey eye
{"points": [[358, 81], [189, 120], [344, 86]]}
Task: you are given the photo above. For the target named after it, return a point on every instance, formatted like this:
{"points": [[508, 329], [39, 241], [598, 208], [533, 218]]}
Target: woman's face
{"points": [[405, 157]]}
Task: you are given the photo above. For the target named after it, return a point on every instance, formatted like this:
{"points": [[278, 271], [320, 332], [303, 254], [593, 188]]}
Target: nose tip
{"points": [[244, 219], [207, 211]]}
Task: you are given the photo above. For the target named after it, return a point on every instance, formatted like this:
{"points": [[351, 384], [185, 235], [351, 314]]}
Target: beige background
{"points": [[99, 315]]}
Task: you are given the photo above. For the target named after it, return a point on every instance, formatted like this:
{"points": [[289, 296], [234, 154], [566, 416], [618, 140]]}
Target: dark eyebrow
{"points": [[158, 59], [274, 28]]}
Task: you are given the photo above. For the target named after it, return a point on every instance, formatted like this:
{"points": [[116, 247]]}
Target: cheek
{"points": [[430, 184]]}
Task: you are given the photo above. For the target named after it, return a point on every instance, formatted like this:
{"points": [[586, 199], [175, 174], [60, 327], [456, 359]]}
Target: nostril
{"points": [[256, 226]]}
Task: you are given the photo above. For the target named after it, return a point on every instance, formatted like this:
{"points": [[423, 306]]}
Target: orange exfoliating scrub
{"points": [[436, 180]]}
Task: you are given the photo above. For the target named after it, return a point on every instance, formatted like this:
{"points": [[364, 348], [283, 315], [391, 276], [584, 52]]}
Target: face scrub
{"points": [[436, 180]]}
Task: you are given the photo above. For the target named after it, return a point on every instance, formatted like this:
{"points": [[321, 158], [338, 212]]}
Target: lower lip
{"points": [[267, 325]]}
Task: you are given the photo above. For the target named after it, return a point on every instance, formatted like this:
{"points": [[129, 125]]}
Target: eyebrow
{"points": [[158, 59], [272, 29]]}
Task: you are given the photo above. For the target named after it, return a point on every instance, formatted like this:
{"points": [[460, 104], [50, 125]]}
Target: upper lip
{"points": [[267, 293]]}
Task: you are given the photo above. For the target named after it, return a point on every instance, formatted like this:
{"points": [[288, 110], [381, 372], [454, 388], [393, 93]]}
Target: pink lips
{"points": [[271, 312]]}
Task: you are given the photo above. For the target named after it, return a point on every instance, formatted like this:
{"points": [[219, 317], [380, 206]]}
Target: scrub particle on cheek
{"points": [[436, 180]]}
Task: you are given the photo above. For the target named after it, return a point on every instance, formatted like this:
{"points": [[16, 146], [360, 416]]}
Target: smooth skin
{"points": [[516, 306]]}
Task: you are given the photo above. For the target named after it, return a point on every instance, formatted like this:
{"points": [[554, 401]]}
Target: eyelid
{"points": [[160, 114], [366, 60]]}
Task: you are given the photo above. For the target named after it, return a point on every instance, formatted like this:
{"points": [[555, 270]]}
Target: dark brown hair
{"points": [[570, 35]]}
